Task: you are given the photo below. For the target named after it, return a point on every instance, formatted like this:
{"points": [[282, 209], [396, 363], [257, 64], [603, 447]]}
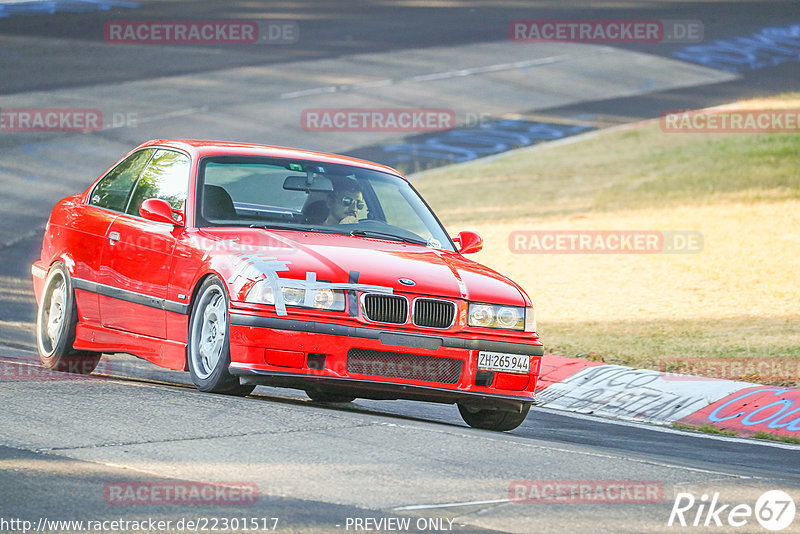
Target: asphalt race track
{"points": [[67, 444]]}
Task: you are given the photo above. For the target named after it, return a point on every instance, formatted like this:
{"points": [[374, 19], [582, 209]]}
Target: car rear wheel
{"points": [[56, 321], [209, 343], [489, 419], [318, 395]]}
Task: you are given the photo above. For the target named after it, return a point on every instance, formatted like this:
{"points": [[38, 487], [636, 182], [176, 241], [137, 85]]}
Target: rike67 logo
{"points": [[774, 510]]}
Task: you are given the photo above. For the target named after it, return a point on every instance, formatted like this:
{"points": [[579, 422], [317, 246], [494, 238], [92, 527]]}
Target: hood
{"points": [[342, 258]]}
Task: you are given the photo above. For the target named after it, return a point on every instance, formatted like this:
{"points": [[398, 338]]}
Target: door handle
{"points": [[113, 237]]}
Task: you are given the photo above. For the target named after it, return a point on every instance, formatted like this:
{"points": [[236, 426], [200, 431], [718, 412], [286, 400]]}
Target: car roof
{"points": [[199, 149]]}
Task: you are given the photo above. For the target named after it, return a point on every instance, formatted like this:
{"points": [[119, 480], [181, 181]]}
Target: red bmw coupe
{"points": [[248, 265]]}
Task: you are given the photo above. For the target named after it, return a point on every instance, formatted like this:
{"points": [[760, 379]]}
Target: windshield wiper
{"points": [[283, 227], [392, 237], [356, 233], [315, 229]]}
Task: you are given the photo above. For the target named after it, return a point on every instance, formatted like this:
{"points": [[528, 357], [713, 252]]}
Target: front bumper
{"points": [[303, 353]]}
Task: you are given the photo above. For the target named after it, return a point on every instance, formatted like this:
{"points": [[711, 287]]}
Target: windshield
{"points": [[312, 196]]}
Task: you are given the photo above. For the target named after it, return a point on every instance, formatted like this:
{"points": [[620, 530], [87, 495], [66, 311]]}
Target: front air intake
{"points": [[405, 366]]}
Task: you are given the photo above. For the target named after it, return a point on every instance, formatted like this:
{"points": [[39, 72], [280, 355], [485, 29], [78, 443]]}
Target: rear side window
{"points": [[113, 190], [166, 177]]}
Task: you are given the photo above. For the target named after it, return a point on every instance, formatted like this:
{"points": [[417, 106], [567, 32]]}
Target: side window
{"points": [[166, 177], [113, 190]]}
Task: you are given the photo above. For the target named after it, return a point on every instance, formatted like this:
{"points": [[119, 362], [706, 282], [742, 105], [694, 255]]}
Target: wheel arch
{"points": [[63, 257], [39, 282], [216, 379], [193, 300], [199, 283]]}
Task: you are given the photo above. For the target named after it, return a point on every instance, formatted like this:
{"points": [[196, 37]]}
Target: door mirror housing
{"points": [[157, 210], [469, 242]]}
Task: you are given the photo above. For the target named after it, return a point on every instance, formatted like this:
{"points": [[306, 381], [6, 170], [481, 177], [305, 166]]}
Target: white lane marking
{"points": [[23, 237], [309, 92], [375, 83], [445, 75], [448, 505], [158, 117], [670, 430], [161, 116], [171, 114], [494, 68], [524, 442]]}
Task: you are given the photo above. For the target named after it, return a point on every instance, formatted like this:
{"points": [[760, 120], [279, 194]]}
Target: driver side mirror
{"points": [[469, 242], [157, 210]]}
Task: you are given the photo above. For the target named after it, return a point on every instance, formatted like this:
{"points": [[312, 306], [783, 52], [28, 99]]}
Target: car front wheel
{"points": [[489, 419], [56, 321], [209, 344]]}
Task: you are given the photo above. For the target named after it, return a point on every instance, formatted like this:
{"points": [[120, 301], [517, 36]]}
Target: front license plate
{"points": [[506, 363]]}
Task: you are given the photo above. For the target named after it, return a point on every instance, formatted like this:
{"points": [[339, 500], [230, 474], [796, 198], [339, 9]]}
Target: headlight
{"points": [[494, 316], [261, 293], [321, 299], [293, 296], [327, 298], [481, 315]]}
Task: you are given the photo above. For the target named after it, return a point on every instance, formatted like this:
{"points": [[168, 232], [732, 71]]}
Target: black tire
{"points": [[56, 320], [318, 395], [208, 352], [497, 420]]}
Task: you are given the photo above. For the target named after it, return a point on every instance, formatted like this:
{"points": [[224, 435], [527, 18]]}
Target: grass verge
{"points": [[708, 429], [711, 429], [737, 298]]}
